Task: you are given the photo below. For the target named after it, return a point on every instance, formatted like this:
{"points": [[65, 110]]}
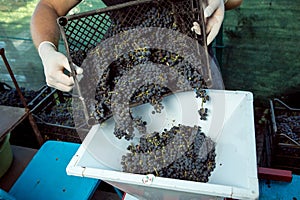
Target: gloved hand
{"points": [[54, 64], [214, 14]]}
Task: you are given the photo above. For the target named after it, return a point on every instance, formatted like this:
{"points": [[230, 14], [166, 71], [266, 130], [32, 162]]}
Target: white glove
{"points": [[54, 64], [214, 14]]}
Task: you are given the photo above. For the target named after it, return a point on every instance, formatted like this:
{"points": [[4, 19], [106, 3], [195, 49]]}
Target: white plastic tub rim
{"points": [[235, 175], [176, 111]]}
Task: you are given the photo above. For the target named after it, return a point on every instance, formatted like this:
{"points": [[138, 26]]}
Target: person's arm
{"points": [[45, 35], [43, 22], [214, 13], [232, 4]]}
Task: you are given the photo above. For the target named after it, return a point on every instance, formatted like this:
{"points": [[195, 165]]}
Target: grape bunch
{"points": [[144, 15], [150, 92], [10, 97], [182, 152], [173, 75], [177, 74], [203, 112], [59, 114], [169, 14], [177, 16], [289, 125]]}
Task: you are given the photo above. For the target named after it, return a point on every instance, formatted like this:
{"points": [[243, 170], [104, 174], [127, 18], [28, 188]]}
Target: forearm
{"points": [[43, 22], [43, 25], [232, 4]]}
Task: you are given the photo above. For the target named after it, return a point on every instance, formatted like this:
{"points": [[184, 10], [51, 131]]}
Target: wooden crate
{"points": [[285, 136]]}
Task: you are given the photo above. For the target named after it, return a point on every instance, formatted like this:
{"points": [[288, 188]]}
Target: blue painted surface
{"points": [[276, 190], [5, 196], [45, 176]]}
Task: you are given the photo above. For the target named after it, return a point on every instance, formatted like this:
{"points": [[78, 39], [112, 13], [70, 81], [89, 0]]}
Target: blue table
{"points": [[45, 176], [277, 190]]}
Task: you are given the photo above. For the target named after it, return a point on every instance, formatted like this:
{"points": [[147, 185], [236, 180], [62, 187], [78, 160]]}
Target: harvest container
{"points": [[96, 39], [285, 137], [53, 113], [230, 124]]}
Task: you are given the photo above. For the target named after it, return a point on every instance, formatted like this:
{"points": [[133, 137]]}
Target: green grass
{"points": [[15, 16], [262, 51]]}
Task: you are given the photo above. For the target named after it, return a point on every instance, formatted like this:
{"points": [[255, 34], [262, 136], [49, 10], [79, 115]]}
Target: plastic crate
{"points": [[52, 101], [10, 97], [285, 136], [82, 32], [96, 39]]}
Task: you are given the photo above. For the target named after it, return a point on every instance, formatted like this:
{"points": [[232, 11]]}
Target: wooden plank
{"points": [[274, 174], [9, 118]]}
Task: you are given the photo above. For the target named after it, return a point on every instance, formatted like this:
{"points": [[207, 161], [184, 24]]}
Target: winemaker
{"points": [[45, 34]]}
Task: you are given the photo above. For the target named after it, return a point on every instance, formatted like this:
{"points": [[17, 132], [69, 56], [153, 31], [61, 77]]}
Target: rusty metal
{"points": [[37, 133], [199, 6]]}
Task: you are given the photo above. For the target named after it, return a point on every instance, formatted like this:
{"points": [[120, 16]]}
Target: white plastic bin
{"points": [[230, 124]]}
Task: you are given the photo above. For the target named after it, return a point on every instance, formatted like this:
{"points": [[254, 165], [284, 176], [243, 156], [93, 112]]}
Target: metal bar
{"points": [[291, 139], [32, 102], [273, 118], [44, 101], [286, 106], [89, 120], [199, 8], [36, 131], [13, 78], [207, 74], [109, 8]]}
